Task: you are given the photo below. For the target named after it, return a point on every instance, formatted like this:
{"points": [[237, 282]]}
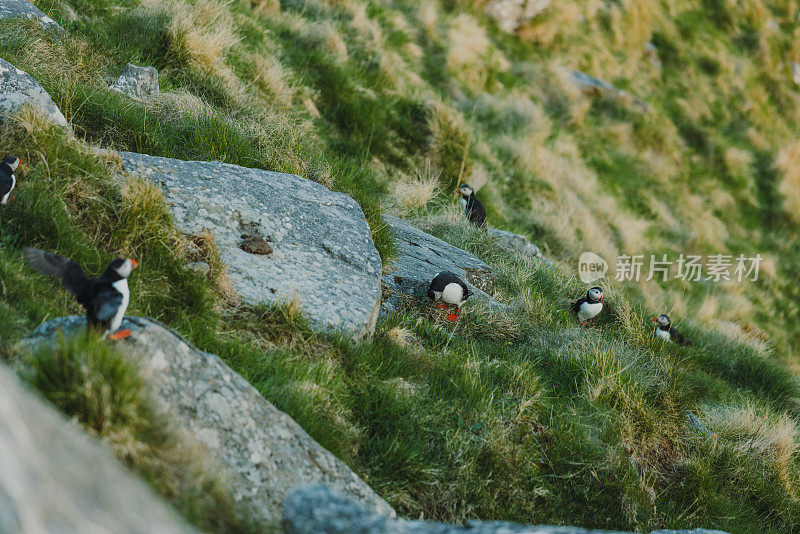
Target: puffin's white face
{"points": [[662, 320], [14, 164], [596, 294], [465, 190], [124, 270]]}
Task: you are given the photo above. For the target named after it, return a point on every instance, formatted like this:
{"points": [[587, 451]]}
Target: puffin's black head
{"points": [[119, 269], [662, 320], [595, 294], [465, 190], [12, 162]]}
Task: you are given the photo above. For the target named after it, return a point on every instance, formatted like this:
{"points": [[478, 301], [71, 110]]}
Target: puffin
{"points": [[472, 207], [105, 299], [588, 307], [665, 331], [7, 179], [450, 289]]}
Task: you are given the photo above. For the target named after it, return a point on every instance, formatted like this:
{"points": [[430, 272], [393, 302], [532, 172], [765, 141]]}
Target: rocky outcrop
{"points": [[138, 82], [23, 8], [262, 451], [54, 478], [511, 14], [18, 88], [422, 256], [512, 240], [319, 510], [322, 249], [595, 87]]}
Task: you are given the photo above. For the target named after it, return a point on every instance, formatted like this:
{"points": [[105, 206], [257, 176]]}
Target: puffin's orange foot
{"points": [[442, 305], [452, 317], [120, 334]]}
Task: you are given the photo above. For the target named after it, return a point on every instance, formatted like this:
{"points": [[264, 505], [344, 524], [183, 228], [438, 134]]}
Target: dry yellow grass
{"points": [[204, 31], [788, 163], [412, 192]]}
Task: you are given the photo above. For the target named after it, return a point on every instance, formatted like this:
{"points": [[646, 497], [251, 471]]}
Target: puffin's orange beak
{"points": [[655, 319], [603, 299], [456, 192], [134, 263]]}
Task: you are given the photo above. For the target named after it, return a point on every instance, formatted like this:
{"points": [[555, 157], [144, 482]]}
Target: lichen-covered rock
{"points": [[422, 256], [138, 82], [511, 14], [510, 239], [322, 249], [320, 510], [23, 8], [262, 451], [55, 478], [18, 88]]}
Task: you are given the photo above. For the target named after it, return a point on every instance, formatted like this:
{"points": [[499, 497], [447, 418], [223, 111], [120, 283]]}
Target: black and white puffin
{"points": [[665, 331], [589, 306], [7, 179], [105, 298], [471, 206], [450, 289]]}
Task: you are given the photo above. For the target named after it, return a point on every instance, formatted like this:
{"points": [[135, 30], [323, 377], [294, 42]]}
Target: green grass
{"points": [[515, 415]]}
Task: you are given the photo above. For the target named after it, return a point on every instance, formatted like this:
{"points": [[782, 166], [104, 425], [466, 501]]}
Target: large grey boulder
{"points": [[55, 478], [23, 8], [511, 14], [421, 257], [18, 88], [319, 510], [280, 236], [138, 82], [262, 451]]}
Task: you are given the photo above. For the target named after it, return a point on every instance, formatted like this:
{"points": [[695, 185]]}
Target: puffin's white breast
{"points": [[122, 287], [589, 310], [4, 200], [453, 293], [464, 204], [663, 334]]}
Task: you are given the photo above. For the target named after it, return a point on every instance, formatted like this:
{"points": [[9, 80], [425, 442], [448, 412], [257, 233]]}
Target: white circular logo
{"points": [[591, 267]]}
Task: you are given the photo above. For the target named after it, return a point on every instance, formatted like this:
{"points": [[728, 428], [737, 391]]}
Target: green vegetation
{"points": [[511, 415]]}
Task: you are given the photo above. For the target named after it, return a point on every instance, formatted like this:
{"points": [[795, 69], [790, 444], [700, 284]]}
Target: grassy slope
{"points": [[518, 415]]}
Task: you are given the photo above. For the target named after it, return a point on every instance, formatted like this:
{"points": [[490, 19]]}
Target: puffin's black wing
{"points": [[476, 211], [6, 184], [104, 305], [68, 271], [576, 306], [679, 338]]}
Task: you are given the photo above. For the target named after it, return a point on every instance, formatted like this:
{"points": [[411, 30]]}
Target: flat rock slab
{"points": [[320, 510], [23, 8], [322, 249], [17, 88], [263, 451], [55, 478], [422, 256]]}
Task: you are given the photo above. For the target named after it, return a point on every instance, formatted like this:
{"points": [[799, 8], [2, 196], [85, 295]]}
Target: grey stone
{"points": [[55, 478], [422, 256], [694, 423], [18, 88], [23, 8], [513, 240], [323, 254], [262, 451], [320, 510], [511, 14], [138, 82], [199, 267], [596, 87]]}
